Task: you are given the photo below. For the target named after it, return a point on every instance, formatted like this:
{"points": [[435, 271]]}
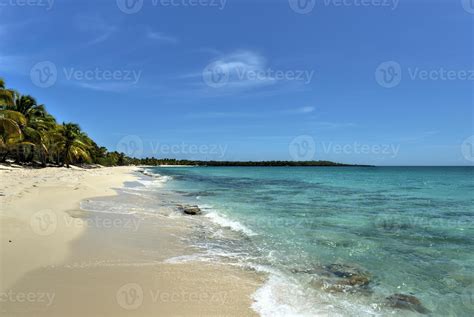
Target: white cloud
{"points": [[241, 73], [241, 66], [158, 36]]}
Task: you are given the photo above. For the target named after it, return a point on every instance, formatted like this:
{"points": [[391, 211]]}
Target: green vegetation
{"points": [[29, 135], [154, 161]]}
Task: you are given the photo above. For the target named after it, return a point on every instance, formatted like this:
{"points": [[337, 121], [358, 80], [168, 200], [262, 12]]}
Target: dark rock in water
{"points": [[407, 302], [190, 210], [306, 271], [338, 278], [347, 285], [344, 271], [356, 280]]}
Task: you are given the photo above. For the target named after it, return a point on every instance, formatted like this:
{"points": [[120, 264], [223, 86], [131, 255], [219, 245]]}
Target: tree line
{"points": [[168, 161], [29, 135]]}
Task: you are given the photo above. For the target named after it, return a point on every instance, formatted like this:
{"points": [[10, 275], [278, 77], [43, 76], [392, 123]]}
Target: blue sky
{"points": [[374, 82]]}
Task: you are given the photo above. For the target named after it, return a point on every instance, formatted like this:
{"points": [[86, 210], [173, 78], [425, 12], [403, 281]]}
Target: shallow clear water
{"points": [[410, 228]]}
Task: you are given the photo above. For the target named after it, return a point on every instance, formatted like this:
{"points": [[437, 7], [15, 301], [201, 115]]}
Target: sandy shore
{"points": [[57, 260]]}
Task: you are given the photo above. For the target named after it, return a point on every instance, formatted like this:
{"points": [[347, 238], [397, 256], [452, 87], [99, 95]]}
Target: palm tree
{"points": [[6, 95], [75, 144], [36, 129], [12, 124]]}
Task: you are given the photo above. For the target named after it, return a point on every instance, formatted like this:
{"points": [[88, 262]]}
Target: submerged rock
{"points": [[344, 270], [407, 302], [338, 278], [190, 210], [347, 278], [306, 271], [359, 284]]}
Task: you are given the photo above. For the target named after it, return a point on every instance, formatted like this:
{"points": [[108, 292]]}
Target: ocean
{"points": [[335, 241]]}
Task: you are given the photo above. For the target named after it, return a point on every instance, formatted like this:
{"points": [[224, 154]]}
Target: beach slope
{"points": [[58, 260]]}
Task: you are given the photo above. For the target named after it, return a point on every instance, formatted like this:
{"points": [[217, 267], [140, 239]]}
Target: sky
{"points": [[383, 82]]}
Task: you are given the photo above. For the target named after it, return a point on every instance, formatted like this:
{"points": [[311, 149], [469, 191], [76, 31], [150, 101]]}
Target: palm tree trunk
{"points": [[4, 158]]}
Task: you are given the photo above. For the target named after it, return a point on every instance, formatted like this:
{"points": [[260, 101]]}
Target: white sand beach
{"points": [[57, 260]]}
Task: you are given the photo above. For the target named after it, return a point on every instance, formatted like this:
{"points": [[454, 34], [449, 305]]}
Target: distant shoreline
{"points": [[191, 163], [185, 163]]}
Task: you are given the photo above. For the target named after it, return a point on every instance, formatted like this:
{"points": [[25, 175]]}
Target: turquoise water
{"points": [[410, 229]]}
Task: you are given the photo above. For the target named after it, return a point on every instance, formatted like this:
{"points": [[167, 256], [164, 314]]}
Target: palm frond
{"points": [[13, 115]]}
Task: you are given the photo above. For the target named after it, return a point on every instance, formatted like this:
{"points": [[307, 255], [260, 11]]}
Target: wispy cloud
{"points": [[333, 125], [223, 115], [241, 73], [241, 114], [161, 37], [106, 86], [302, 110], [97, 27], [237, 66]]}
